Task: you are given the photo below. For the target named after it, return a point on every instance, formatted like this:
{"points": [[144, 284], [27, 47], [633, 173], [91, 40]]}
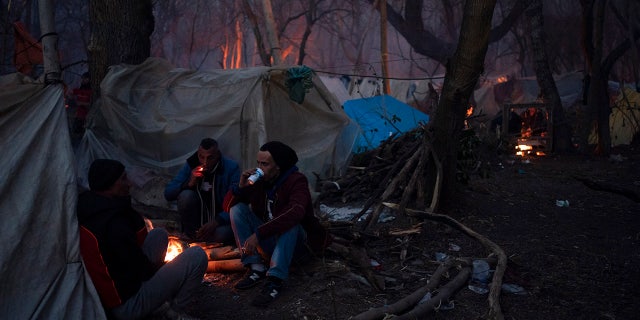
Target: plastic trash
{"points": [[454, 247], [477, 287], [444, 305], [479, 277], [448, 305], [513, 288], [480, 271], [426, 298], [441, 257], [562, 203]]}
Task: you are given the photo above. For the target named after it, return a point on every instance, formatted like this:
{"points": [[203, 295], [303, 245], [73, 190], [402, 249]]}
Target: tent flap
{"points": [[40, 266], [152, 116]]}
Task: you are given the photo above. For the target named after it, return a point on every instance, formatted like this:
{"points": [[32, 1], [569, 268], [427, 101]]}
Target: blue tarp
{"points": [[380, 117]]}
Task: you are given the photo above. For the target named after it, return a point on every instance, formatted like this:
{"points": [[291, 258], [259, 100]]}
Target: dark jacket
{"points": [[226, 175], [291, 206], [120, 232]]}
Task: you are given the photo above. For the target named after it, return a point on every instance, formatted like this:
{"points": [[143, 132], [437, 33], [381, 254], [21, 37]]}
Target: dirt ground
{"points": [[579, 261]]}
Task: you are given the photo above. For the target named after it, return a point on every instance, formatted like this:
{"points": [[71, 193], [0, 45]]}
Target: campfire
{"points": [[221, 258], [528, 147], [176, 246]]}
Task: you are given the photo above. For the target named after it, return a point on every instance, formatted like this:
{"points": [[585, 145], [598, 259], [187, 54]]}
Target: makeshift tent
{"points": [[490, 94], [152, 117], [624, 120], [42, 274], [379, 118]]}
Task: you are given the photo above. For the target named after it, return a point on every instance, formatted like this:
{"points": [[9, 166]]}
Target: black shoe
{"points": [[252, 278], [269, 292]]}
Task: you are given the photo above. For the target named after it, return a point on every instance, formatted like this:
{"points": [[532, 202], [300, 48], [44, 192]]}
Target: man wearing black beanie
{"points": [[273, 219], [124, 261]]}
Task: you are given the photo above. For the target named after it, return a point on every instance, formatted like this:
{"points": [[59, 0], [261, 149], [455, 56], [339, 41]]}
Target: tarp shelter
{"points": [[379, 118], [152, 117], [624, 120], [41, 273]]}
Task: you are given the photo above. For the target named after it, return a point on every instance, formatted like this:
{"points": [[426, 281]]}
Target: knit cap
{"points": [[103, 173], [282, 154]]}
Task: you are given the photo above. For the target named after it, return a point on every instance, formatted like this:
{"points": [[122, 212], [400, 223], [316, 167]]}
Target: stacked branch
{"points": [[400, 174]]}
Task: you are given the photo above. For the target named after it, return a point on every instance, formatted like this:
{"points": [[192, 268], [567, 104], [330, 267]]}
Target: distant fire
{"points": [[174, 249], [502, 79], [523, 149]]}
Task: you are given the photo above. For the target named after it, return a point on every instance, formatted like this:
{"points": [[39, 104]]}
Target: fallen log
{"points": [[223, 253], [443, 295], [224, 266], [495, 311], [602, 186], [411, 300]]}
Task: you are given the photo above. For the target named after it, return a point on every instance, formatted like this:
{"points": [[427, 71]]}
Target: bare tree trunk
{"points": [[597, 104], [272, 37], [461, 78], [248, 11], [409, 22], [383, 47], [120, 34], [561, 128]]}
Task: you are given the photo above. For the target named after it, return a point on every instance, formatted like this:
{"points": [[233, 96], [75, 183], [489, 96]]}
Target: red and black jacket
{"points": [[291, 206], [111, 236]]}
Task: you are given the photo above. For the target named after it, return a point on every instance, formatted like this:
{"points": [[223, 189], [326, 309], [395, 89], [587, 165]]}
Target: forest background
{"points": [[408, 39]]}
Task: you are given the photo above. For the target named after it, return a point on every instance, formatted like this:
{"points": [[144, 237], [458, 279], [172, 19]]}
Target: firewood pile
{"points": [[398, 171], [402, 173]]}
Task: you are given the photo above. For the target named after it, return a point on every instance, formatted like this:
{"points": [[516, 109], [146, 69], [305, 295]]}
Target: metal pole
{"points": [[49, 40]]}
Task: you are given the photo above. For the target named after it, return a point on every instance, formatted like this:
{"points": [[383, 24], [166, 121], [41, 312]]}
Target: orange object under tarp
{"points": [[28, 51]]}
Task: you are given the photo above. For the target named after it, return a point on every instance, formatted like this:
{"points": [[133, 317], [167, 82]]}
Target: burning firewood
{"points": [[231, 265]]}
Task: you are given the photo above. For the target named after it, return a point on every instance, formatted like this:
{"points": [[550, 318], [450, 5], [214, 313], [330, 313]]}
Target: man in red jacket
{"points": [[273, 219], [125, 263]]}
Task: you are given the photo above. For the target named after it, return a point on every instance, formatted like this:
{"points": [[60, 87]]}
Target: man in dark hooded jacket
{"points": [[125, 262], [273, 219], [199, 189]]}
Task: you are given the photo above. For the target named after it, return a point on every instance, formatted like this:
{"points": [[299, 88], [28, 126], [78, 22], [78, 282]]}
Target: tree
{"points": [[426, 42], [561, 128], [599, 67], [461, 77], [120, 33]]}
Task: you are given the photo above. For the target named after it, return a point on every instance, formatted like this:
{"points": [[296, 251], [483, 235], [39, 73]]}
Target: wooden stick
{"points": [[222, 266]]}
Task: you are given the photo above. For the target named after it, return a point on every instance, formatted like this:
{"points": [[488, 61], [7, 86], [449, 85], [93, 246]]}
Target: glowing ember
{"points": [[502, 79], [523, 149], [174, 249]]}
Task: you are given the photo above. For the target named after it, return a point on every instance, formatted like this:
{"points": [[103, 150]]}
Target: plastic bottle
{"points": [[480, 271], [479, 277]]}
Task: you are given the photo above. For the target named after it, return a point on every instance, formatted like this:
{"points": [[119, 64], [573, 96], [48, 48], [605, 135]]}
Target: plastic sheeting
{"points": [[152, 117], [379, 118], [41, 273]]}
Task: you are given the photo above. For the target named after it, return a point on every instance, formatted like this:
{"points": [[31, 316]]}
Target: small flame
{"points": [[470, 111], [502, 79], [523, 149], [174, 249]]}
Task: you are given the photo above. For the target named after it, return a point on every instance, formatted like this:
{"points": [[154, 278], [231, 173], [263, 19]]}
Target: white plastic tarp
{"points": [[41, 273], [152, 117]]}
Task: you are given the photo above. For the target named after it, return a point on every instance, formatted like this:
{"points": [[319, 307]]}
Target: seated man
{"points": [[199, 188], [273, 218], [125, 263], [534, 122]]}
